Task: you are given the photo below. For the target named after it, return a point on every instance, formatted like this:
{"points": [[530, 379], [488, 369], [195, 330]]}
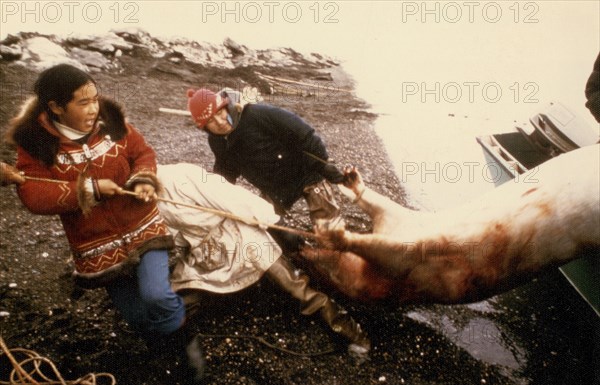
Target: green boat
{"points": [[553, 131]]}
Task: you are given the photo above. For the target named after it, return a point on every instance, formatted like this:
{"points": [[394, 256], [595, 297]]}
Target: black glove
{"points": [[332, 174]]}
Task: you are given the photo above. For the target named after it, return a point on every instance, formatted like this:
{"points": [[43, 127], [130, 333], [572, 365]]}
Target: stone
{"points": [[41, 53], [91, 58], [235, 48], [11, 52], [11, 39], [110, 43]]}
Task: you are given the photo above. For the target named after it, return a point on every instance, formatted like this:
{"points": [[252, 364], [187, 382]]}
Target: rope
{"points": [[316, 157], [233, 216], [270, 345], [20, 376], [225, 214]]}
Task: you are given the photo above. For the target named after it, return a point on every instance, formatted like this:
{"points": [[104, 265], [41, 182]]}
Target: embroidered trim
{"points": [[117, 242], [79, 157]]}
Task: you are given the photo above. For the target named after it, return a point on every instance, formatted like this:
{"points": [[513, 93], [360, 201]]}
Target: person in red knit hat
{"points": [[274, 149]]}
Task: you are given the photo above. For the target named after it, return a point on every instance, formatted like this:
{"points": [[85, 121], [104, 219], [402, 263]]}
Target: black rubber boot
{"points": [[196, 364], [184, 344]]}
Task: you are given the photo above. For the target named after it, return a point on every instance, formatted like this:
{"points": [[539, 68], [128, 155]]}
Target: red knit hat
{"points": [[204, 104]]}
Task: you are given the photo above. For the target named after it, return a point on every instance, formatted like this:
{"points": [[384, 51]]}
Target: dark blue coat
{"points": [[268, 148], [592, 90]]}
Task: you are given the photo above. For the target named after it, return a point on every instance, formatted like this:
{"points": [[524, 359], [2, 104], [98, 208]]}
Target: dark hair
{"points": [[58, 84]]}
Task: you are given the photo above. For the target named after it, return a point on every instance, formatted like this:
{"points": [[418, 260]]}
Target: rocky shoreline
{"points": [[102, 52]]}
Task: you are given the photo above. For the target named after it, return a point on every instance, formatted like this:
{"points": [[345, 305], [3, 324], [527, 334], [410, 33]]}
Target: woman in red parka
{"points": [[80, 155]]}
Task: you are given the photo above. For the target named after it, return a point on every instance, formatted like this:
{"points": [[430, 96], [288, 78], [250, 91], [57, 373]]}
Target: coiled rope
{"points": [[29, 370]]}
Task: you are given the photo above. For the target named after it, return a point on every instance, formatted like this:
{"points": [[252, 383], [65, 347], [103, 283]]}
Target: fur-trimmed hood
{"points": [[32, 128]]}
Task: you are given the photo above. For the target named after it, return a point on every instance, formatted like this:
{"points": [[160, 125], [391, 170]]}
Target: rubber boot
{"points": [[184, 343], [295, 282], [196, 364]]}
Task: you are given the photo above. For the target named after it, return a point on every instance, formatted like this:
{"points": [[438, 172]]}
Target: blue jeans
{"points": [[146, 300]]}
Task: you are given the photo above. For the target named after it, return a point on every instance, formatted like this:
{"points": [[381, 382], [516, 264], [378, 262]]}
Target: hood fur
{"points": [[27, 128]]}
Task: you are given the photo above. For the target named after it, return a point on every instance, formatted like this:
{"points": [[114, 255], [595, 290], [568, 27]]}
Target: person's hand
{"points": [[332, 174], [353, 180], [144, 191], [108, 188], [10, 175]]}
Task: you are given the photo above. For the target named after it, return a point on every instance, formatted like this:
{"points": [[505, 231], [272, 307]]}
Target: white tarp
{"points": [[226, 255]]}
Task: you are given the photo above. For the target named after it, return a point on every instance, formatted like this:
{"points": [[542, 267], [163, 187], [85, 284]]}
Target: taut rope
{"points": [[229, 215], [221, 213]]}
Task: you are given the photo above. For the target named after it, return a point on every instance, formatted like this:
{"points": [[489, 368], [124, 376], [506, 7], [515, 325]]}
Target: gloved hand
{"points": [[332, 174]]}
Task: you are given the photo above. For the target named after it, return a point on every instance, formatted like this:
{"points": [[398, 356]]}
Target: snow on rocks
{"points": [[40, 53], [102, 52]]}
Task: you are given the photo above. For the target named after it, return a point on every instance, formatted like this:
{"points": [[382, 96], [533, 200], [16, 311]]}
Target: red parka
{"points": [[107, 237]]}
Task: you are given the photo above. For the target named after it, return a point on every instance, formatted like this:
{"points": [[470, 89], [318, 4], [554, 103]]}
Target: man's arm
{"points": [[227, 169], [298, 134]]}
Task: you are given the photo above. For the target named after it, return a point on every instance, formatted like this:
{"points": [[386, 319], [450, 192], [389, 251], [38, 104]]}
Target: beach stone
{"points": [[235, 48], [41, 53], [11, 39], [110, 43], [91, 58], [11, 52]]}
